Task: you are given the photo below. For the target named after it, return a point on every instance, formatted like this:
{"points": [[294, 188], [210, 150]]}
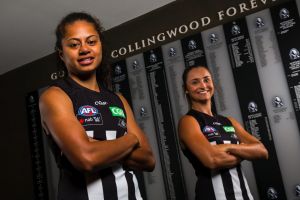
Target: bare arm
{"points": [[141, 157], [211, 156], [58, 119], [250, 147]]}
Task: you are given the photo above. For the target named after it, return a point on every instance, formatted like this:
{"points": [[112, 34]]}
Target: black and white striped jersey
{"points": [[222, 184], [103, 117]]}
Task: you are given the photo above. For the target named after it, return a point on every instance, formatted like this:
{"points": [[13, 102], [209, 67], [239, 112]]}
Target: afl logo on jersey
{"points": [[87, 111], [210, 132], [209, 129]]}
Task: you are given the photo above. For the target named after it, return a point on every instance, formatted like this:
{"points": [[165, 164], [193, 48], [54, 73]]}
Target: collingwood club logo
{"points": [[118, 70], [143, 112], [284, 13], [294, 54], [152, 57], [172, 52], [277, 102], [252, 107], [235, 30], [272, 193], [259, 22], [213, 38], [192, 45], [297, 189], [135, 65]]}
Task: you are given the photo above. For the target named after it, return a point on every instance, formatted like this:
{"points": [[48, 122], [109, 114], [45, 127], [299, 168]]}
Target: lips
{"points": [[86, 61]]}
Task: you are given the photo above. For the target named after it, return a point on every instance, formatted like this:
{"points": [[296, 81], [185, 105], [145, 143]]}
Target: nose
{"points": [[84, 50], [202, 84]]}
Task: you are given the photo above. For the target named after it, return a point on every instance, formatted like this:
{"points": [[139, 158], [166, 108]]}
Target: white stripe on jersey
{"points": [[111, 135], [218, 185], [236, 184], [94, 187], [136, 187], [94, 184], [121, 182], [90, 134], [246, 185]]}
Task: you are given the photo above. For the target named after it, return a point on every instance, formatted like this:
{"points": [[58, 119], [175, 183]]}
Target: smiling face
{"points": [[81, 48], [199, 85]]}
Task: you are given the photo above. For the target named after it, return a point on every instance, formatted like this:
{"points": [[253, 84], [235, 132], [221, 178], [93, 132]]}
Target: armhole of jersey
{"points": [[120, 101], [226, 120]]}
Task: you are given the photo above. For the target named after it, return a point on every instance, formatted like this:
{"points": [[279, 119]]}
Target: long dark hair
{"points": [[103, 72]]}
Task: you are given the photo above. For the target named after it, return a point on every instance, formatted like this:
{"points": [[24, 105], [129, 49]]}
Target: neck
{"points": [[89, 82], [204, 107]]}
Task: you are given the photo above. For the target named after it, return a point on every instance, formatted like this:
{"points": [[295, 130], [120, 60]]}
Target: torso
{"points": [[103, 117], [224, 184]]}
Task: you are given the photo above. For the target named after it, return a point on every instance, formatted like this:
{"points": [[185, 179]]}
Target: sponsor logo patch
{"points": [[87, 111], [210, 132], [117, 112], [209, 129], [88, 115], [228, 129]]}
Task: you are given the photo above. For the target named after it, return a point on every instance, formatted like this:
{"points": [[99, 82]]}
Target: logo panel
{"points": [[117, 112], [89, 115]]}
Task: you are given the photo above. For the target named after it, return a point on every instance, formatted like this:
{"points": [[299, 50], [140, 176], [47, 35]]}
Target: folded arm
{"points": [[211, 156], [141, 158], [59, 120], [250, 147]]}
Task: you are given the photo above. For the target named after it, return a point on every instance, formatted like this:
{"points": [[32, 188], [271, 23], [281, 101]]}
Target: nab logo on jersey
{"points": [[87, 111]]}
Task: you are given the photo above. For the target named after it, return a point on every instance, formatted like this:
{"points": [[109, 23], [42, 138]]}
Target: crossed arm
{"points": [[219, 156], [58, 119]]}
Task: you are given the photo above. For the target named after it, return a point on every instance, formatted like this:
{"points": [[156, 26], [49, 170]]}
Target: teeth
{"points": [[84, 59]]}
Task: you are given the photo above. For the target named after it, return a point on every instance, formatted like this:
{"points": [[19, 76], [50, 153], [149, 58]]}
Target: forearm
{"points": [[224, 160], [248, 151], [100, 154], [140, 159]]}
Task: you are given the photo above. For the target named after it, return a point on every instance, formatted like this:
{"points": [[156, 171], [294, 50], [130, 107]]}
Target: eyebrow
{"points": [[79, 39], [208, 76]]}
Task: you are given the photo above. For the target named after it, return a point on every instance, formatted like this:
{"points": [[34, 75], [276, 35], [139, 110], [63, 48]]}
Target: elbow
{"points": [[150, 164], [265, 154], [85, 162]]}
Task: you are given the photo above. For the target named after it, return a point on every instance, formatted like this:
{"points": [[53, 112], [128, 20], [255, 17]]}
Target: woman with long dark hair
{"points": [[215, 145], [95, 138]]}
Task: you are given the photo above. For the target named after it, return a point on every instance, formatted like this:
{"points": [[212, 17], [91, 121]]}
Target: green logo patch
{"points": [[116, 111], [228, 129]]}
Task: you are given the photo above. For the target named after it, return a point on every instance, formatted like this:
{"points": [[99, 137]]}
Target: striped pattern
{"points": [[122, 185], [221, 184]]}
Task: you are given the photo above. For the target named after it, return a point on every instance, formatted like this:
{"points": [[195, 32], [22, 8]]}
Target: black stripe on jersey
{"points": [[227, 184], [109, 184], [209, 190], [242, 183], [131, 189]]}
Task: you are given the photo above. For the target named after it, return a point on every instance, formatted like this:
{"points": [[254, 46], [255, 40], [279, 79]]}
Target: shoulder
{"points": [[53, 96], [232, 120], [121, 97], [187, 121], [52, 92]]}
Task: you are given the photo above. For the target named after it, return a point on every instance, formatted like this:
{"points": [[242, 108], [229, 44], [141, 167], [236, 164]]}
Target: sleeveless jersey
{"points": [[103, 117], [221, 184]]}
